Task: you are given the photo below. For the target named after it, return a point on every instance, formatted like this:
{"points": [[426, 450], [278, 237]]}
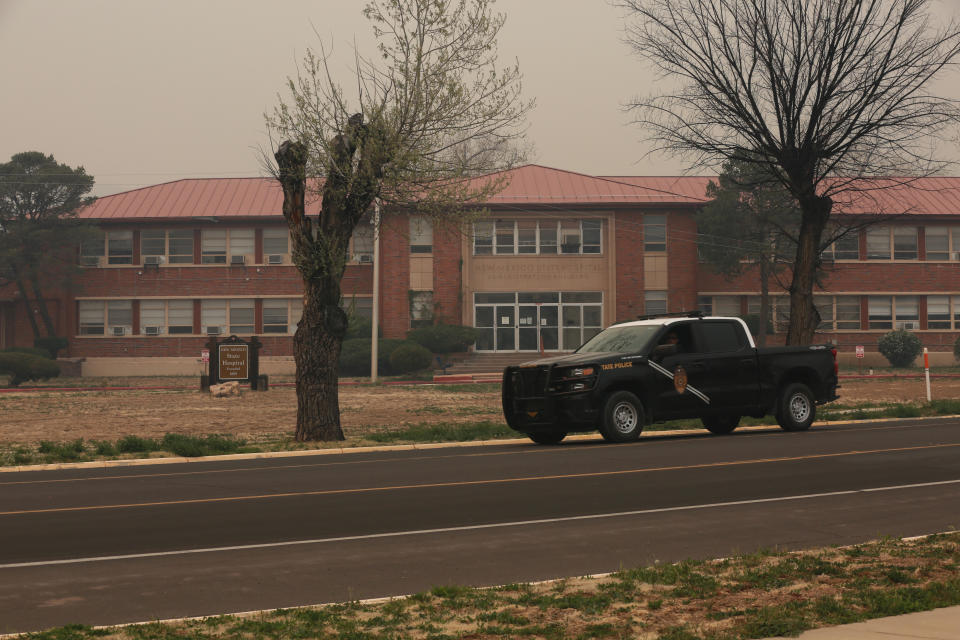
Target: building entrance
{"points": [[536, 321]]}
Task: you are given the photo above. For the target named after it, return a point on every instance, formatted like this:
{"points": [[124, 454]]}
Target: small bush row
{"points": [[24, 363], [397, 357]]}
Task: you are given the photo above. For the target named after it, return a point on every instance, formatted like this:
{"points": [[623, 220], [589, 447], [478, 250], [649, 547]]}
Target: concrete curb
{"points": [[138, 462]]}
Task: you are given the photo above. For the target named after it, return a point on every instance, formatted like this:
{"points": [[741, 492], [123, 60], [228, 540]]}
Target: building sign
{"points": [[204, 355], [859, 350], [234, 360]]}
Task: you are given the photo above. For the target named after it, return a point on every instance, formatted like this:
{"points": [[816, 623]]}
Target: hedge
{"points": [[900, 347], [26, 366]]}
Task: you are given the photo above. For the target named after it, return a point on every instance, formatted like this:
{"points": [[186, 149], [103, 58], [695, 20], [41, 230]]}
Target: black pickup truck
{"points": [[651, 370]]}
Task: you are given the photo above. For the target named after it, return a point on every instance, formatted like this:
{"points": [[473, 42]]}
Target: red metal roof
{"points": [[526, 185]]}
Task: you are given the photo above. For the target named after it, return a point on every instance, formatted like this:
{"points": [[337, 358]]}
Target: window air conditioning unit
{"points": [[118, 331], [214, 331], [237, 259], [366, 257], [89, 261], [275, 259], [153, 260], [909, 325], [151, 331], [955, 255]]}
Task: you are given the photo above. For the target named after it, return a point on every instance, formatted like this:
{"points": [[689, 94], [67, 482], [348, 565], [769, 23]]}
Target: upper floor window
{"points": [[544, 237], [361, 242], [281, 315], [899, 242], [174, 246], [654, 232], [943, 243], [846, 247], [655, 302], [120, 247], [92, 249], [276, 245], [421, 234], [217, 244], [889, 312]]}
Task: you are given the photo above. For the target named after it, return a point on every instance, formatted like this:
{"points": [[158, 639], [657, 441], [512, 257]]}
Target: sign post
{"points": [[860, 358], [926, 371]]}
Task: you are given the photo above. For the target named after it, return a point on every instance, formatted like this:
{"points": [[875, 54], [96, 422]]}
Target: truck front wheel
{"points": [[623, 417], [796, 408]]}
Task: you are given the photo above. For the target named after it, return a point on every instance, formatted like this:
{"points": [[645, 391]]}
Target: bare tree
{"points": [[820, 94], [430, 114]]}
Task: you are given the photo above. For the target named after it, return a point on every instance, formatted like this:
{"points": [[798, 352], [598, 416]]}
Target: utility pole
{"points": [[376, 291]]}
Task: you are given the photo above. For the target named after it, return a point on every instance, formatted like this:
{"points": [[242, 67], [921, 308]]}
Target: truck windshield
{"points": [[628, 339]]}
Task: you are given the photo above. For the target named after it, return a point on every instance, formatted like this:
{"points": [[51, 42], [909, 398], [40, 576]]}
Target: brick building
{"points": [[558, 256]]}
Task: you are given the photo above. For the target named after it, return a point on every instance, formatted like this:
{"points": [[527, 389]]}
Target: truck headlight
{"points": [[580, 372]]}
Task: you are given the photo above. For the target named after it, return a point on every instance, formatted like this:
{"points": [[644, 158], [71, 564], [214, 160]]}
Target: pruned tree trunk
{"points": [[804, 318], [319, 336]]}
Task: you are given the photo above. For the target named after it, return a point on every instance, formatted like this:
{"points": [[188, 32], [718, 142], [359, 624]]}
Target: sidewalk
{"points": [[939, 624]]}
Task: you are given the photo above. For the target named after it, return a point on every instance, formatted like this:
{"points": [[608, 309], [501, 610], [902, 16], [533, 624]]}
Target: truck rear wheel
{"points": [[796, 408], [547, 437], [623, 417], [721, 425]]}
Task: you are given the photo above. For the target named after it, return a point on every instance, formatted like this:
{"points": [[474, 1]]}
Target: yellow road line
{"points": [[465, 483]]}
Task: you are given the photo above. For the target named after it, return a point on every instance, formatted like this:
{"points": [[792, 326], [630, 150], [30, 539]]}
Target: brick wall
{"points": [[629, 244], [394, 276], [447, 274]]}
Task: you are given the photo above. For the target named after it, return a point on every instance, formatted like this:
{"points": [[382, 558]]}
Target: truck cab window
{"points": [[720, 337]]}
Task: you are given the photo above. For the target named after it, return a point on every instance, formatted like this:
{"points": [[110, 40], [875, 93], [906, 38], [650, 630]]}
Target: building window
{"points": [[654, 233], [421, 309], [655, 303], [278, 315], [938, 312], [242, 244], [153, 317], [943, 243], [900, 243], [92, 249], [569, 236], [174, 246], [483, 238], [705, 304], [361, 242], [358, 306], [905, 245], [213, 316], [180, 316], [421, 234], [213, 246], [241, 317], [530, 237], [591, 235], [906, 312], [880, 312], [276, 241], [878, 243], [120, 247], [837, 313], [844, 248], [120, 317], [91, 315], [526, 236]]}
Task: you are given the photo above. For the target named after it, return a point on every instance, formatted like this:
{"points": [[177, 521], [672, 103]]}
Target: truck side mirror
{"points": [[663, 350]]}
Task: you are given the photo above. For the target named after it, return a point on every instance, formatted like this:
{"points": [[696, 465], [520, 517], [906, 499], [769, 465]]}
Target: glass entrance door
{"points": [[531, 321]]}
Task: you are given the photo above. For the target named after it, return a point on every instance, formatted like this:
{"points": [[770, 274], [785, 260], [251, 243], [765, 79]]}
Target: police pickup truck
{"points": [[664, 368]]}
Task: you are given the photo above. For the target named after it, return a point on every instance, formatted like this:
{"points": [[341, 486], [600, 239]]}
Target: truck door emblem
{"points": [[680, 371], [532, 414], [680, 379]]}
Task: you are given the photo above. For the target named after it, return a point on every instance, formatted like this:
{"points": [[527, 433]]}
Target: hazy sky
{"points": [[145, 91]]}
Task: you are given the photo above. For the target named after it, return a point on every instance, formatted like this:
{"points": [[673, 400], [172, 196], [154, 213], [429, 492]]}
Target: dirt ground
{"points": [[31, 416]]}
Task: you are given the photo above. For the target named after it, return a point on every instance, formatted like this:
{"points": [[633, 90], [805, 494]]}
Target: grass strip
{"points": [[759, 595], [133, 446]]}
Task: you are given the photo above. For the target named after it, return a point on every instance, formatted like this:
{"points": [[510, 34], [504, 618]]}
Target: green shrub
{"points": [[355, 356], [34, 351], [26, 366], [409, 357], [136, 444], [51, 344], [900, 347], [358, 327], [444, 338]]}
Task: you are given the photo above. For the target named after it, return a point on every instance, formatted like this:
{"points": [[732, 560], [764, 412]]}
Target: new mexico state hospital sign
{"points": [[540, 272]]}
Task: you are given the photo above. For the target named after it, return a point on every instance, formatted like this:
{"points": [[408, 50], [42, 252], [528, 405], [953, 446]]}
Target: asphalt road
{"points": [[125, 544]]}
